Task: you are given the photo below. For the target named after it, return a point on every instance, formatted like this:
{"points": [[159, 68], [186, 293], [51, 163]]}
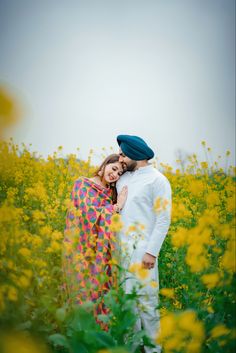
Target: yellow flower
{"points": [[139, 271], [2, 302], [210, 310], [55, 246], [21, 343], [179, 238], [134, 267], [12, 294], [25, 252], [213, 199], [38, 216], [181, 332], [153, 284], [28, 273], [211, 280], [167, 292], [9, 109], [196, 257], [23, 282], [219, 330], [116, 223], [143, 273], [131, 229], [197, 187], [204, 165]]}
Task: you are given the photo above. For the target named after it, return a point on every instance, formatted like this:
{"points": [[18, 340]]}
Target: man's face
{"points": [[129, 164]]}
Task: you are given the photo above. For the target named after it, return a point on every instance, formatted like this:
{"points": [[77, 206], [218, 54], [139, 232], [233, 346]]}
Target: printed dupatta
{"points": [[88, 243]]}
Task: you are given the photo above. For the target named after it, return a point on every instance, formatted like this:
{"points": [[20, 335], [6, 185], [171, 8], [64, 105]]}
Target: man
{"points": [[144, 228]]}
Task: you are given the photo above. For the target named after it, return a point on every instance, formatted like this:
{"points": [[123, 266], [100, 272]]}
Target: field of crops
{"points": [[196, 263]]}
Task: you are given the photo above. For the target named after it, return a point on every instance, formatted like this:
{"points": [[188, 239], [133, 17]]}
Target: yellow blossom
{"points": [[23, 282], [22, 343], [139, 271], [25, 252], [219, 330], [153, 284], [116, 223], [211, 280], [12, 294], [204, 165], [167, 292], [180, 237]]}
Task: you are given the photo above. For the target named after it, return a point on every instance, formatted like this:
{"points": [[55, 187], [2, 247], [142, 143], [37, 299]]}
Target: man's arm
{"points": [[162, 198]]}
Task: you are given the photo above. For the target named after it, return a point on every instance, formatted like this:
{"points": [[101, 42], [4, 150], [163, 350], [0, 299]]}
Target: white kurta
{"points": [[145, 185]]}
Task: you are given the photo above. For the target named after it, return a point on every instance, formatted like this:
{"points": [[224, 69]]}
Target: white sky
{"points": [[90, 70]]}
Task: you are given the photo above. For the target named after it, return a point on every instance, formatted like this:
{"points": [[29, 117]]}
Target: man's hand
{"points": [[148, 261]]}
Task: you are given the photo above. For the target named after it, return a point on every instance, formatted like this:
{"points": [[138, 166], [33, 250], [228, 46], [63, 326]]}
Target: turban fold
{"points": [[134, 147]]}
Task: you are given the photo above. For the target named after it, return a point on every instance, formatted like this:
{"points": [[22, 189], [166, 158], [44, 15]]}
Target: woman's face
{"points": [[112, 172]]}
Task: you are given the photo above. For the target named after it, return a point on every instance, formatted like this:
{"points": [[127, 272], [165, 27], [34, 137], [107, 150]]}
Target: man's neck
{"points": [[141, 164]]}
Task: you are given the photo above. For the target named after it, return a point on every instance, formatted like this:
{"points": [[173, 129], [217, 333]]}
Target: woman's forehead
{"points": [[118, 164]]}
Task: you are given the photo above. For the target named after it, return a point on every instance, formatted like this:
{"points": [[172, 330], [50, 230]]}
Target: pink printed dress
{"points": [[88, 244]]}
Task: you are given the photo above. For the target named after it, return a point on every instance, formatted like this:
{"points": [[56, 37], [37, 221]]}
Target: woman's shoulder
{"points": [[80, 181], [84, 181]]}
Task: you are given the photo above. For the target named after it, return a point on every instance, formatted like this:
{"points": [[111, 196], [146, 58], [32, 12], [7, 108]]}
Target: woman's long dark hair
{"points": [[112, 158]]}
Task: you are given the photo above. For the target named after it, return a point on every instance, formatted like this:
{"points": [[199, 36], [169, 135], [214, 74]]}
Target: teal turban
{"points": [[134, 147]]}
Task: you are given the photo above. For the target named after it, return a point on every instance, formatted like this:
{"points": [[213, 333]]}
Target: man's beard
{"points": [[131, 166]]}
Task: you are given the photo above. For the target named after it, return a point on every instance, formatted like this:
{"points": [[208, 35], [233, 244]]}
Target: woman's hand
{"points": [[122, 197]]}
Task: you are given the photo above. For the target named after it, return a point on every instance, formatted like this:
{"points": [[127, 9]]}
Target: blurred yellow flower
{"points": [[21, 343], [23, 282], [204, 165], [211, 280], [167, 292], [116, 223], [12, 294], [153, 284], [181, 332], [219, 330], [25, 252], [139, 271]]}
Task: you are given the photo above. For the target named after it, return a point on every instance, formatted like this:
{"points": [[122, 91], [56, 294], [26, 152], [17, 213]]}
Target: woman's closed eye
{"points": [[115, 169]]}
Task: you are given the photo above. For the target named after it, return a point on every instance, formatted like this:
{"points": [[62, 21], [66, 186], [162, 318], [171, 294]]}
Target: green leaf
{"points": [[100, 339], [103, 318], [59, 340], [60, 314]]}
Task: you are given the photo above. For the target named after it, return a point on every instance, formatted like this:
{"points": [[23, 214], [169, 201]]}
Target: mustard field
{"points": [[196, 263]]}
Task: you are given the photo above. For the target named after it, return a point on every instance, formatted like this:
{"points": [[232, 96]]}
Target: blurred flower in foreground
{"points": [[139, 271], [21, 343], [9, 109], [116, 223], [181, 332]]}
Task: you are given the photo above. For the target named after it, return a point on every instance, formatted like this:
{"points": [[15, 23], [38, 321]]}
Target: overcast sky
{"points": [[87, 71]]}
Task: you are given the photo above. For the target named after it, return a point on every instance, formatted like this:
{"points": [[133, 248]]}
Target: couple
{"points": [[125, 183]]}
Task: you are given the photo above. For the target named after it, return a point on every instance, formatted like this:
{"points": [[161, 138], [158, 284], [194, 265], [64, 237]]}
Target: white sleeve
{"points": [[162, 191]]}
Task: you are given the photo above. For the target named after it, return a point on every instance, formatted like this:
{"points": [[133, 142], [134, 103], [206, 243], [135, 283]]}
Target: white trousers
{"points": [[148, 315]]}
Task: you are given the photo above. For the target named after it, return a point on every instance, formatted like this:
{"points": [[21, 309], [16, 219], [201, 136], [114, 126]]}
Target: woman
{"points": [[88, 242]]}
